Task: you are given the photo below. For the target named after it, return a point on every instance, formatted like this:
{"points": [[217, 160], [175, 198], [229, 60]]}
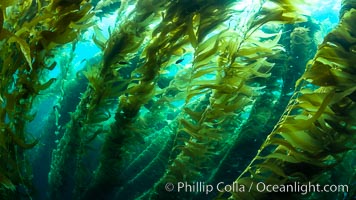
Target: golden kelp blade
{"points": [[314, 133], [25, 48]]}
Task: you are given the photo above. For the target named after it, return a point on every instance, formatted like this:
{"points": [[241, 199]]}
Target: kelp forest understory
{"points": [[161, 99]]}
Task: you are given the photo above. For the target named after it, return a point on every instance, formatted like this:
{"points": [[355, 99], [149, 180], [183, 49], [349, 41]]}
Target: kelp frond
{"points": [[318, 127], [25, 52], [223, 68]]}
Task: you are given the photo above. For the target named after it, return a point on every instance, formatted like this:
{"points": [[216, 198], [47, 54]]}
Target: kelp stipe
{"points": [[176, 94], [168, 38], [267, 106], [25, 57], [125, 41], [230, 57], [318, 127]]}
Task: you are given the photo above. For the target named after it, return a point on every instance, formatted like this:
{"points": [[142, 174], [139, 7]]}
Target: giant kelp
{"points": [[126, 41], [317, 127], [239, 57], [176, 94], [168, 37], [25, 54]]}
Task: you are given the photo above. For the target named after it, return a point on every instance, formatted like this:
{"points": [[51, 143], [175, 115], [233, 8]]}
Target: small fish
{"points": [[179, 61], [123, 63]]}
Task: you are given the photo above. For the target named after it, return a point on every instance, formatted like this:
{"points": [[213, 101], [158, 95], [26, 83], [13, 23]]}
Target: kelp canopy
{"points": [[195, 92]]}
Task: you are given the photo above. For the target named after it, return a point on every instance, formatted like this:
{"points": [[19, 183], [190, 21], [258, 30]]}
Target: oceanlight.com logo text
{"points": [[202, 187]]}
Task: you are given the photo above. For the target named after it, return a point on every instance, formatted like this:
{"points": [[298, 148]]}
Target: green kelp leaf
{"points": [[207, 24], [206, 55], [211, 135], [320, 75], [195, 149], [98, 33], [195, 115], [194, 92], [207, 49], [204, 71], [315, 98], [264, 16], [344, 78], [190, 128], [60, 37], [24, 47], [4, 181], [271, 43], [209, 43], [253, 50], [191, 33], [311, 101], [299, 138], [99, 43], [271, 167], [283, 157]]}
